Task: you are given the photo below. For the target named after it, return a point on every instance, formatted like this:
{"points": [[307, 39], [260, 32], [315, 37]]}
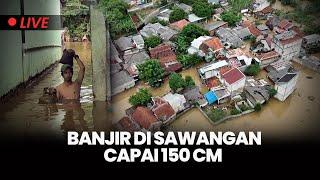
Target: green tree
{"points": [[152, 41], [189, 82], [182, 44], [177, 14], [272, 92], [202, 9], [192, 31], [188, 60], [231, 17], [151, 72], [216, 115], [257, 107], [176, 81], [234, 111], [142, 98], [252, 70]]}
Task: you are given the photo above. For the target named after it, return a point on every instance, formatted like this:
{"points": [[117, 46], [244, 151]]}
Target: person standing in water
{"points": [[70, 90]]}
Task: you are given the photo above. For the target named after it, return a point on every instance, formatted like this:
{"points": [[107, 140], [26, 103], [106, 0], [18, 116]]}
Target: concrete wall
{"points": [[100, 40], [21, 61]]}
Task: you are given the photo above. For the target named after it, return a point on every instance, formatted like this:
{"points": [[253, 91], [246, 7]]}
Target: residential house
{"points": [[192, 18], [156, 29], [224, 3], [259, 5], [121, 81], [222, 94], [186, 8], [138, 41], [287, 44], [115, 56], [255, 32], [234, 53], [311, 43], [145, 118], [162, 109], [115, 67], [284, 25], [167, 57], [211, 97], [192, 94], [176, 101], [284, 77], [218, 11], [164, 15], [211, 45], [273, 22], [240, 62], [226, 35], [262, 46], [213, 1], [179, 25], [195, 45], [125, 45], [263, 29], [212, 69], [126, 124], [234, 80], [243, 33], [257, 94], [267, 58], [131, 61], [212, 27], [264, 13]]}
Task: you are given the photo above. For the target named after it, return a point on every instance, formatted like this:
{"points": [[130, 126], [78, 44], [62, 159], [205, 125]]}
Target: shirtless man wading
{"points": [[70, 90]]}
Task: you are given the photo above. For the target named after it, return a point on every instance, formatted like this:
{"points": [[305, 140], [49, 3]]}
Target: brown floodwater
{"points": [[23, 116]]}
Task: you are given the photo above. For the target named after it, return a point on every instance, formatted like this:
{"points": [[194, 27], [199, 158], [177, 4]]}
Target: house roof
{"points": [[162, 109], [157, 29], [172, 66], [267, 55], [213, 43], [120, 78], [176, 101], [267, 10], [243, 33], [285, 24], [287, 77], [211, 97], [214, 25], [213, 66], [262, 27], [287, 37], [161, 50], [143, 116], [138, 39], [233, 76], [194, 18], [197, 42], [254, 31], [192, 94], [246, 23], [184, 7], [136, 58], [124, 43], [128, 125], [179, 25], [227, 35]]}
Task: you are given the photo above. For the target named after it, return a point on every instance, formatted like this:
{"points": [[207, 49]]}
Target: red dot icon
{"points": [[12, 21]]}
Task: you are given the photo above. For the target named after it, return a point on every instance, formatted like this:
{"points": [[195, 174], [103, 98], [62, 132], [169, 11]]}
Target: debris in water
{"points": [[311, 98], [309, 77]]}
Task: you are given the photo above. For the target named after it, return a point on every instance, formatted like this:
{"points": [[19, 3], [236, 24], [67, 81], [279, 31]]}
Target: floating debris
{"points": [[311, 98], [309, 77]]}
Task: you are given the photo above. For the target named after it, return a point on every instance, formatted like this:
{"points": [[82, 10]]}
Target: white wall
{"points": [[285, 89]]}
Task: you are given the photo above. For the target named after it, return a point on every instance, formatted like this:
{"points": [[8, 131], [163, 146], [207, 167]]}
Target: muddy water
{"points": [[297, 117], [277, 5], [23, 116]]}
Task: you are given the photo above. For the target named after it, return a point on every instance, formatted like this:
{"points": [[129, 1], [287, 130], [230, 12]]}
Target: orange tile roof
{"points": [[179, 24], [128, 125], [162, 109], [233, 75], [160, 51], [143, 116], [268, 55], [214, 43], [254, 31]]}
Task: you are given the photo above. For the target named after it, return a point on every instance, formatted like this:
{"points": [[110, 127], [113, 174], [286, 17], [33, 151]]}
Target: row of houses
{"points": [[160, 111]]}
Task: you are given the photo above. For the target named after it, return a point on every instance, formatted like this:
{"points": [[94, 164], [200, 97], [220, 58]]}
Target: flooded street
{"points": [[22, 116]]}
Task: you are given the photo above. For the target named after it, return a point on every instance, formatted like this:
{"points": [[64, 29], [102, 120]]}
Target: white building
{"points": [[284, 77], [195, 45], [287, 44], [234, 80], [212, 70], [176, 101]]}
